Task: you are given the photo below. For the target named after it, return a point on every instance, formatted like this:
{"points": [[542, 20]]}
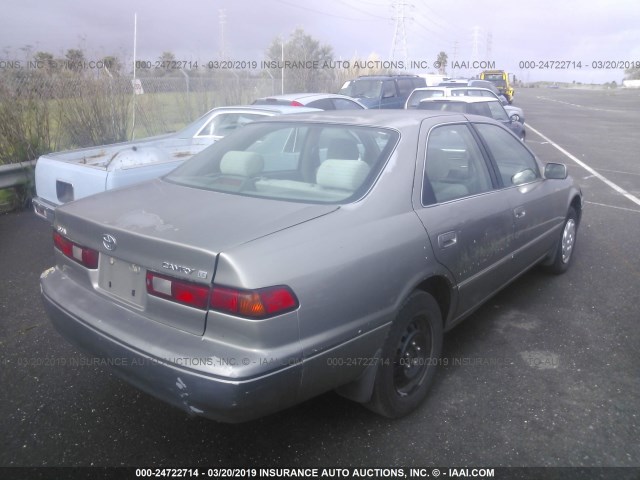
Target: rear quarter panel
{"points": [[351, 270]]}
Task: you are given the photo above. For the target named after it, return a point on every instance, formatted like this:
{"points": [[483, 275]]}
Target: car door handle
{"points": [[447, 239], [519, 212]]}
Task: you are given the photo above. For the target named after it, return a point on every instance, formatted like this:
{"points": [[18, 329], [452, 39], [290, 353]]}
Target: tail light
{"points": [[253, 304], [85, 256], [188, 293], [295, 103], [261, 303]]}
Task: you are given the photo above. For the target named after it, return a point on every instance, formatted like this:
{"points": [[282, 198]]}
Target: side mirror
{"points": [[555, 171]]}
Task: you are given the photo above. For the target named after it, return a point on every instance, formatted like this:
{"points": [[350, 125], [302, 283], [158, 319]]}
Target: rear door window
{"points": [[454, 166], [405, 86], [388, 89]]}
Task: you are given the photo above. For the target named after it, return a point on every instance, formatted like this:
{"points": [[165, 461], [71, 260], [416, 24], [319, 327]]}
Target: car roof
{"points": [[432, 88], [379, 118], [467, 88], [274, 108], [303, 96], [463, 99], [386, 77]]}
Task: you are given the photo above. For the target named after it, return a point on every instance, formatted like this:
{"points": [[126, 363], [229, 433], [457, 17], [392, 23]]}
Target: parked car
{"points": [[485, 106], [67, 176], [307, 253], [454, 82], [419, 94], [382, 91], [322, 101], [489, 86], [515, 113]]}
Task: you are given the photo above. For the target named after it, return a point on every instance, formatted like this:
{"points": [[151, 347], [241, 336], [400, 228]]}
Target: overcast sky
{"points": [[520, 30]]}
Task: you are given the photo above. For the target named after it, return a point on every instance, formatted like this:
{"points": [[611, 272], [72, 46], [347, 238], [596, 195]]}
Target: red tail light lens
{"points": [[261, 303], [85, 256], [254, 304], [187, 293], [295, 103]]}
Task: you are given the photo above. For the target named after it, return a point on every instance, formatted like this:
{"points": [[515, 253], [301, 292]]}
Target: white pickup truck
{"points": [[66, 176]]}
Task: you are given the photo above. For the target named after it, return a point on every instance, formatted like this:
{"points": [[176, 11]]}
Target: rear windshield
{"points": [[443, 106], [362, 88], [296, 161], [418, 95]]}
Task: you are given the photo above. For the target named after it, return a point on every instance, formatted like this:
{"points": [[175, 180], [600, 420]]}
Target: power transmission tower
{"points": [[489, 46], [399, 44], [222, 19], [455, 57], [475, 43]]}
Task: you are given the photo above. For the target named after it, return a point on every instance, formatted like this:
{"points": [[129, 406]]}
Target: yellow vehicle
{"points": [[500, 79]]}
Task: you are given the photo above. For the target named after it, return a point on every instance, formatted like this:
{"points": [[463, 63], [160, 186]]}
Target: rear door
{"points": [[469, 223]]}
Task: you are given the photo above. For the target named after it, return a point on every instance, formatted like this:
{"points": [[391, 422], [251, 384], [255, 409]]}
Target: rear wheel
{"points": [[409, 357], [566, 244]]}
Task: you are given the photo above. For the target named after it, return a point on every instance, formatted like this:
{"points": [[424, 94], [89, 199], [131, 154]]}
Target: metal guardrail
{"points": [[16, 174]]}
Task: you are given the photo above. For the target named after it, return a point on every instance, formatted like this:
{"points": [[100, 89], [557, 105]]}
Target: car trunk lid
{"points": [[178, 232]]}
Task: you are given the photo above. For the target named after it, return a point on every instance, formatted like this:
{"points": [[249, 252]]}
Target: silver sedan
{"points": [[307, 253]]}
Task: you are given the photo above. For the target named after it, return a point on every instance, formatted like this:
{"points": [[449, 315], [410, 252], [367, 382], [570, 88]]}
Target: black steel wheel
{"points": [[409, 357]]}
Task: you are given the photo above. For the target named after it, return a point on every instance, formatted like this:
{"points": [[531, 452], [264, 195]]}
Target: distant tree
{"points": [[165, 60], [75, 59], [112, 64], [74, 55], [442, 61], [304, 50], [44, 60], [632, 74]]}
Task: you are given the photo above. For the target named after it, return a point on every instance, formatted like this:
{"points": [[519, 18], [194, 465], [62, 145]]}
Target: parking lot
{"points": [[545, 374]]}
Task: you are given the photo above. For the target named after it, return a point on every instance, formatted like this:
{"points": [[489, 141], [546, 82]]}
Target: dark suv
{"points": [[382, 91]]}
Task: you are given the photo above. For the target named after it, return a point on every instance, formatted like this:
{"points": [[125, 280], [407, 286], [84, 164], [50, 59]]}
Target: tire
{"points": [[566, 244], [409, 357]]}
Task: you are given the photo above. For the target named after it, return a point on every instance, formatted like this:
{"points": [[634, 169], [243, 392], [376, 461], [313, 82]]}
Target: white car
{"points": [[66, 176], [323, 101], [419, 94]]}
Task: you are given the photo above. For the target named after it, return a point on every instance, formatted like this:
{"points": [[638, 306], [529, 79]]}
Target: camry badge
{"points": [[109, 242]]}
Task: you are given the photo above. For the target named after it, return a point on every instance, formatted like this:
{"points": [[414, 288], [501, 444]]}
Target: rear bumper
{"points": [[187, 375], [43, 209]]}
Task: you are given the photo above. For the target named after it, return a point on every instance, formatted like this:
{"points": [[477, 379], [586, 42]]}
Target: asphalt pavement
{"points": [[547, 373]]}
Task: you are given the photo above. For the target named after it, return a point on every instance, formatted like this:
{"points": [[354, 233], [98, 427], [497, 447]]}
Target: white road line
{"points": [[604, 179], [618, 171], [613, 206], [595, 109]]}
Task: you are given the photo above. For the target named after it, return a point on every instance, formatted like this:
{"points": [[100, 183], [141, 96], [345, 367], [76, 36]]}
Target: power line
{"points": [[341, 17]]}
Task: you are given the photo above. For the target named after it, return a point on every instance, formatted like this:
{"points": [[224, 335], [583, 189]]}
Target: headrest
{"points": [[244, 164], [342, 174]]}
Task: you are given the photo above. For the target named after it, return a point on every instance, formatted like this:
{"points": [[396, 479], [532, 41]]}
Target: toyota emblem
{"points": [[109, 242]]}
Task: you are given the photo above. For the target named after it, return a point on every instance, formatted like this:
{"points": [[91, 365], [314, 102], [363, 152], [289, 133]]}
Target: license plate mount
{"points": [[123, 280]]}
